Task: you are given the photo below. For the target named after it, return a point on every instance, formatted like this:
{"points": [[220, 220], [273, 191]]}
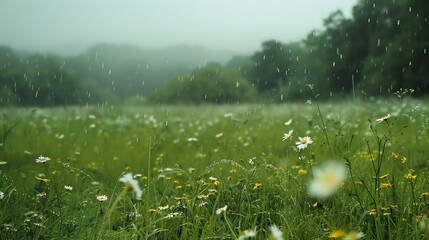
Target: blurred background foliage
{"points": [[380, 50]]}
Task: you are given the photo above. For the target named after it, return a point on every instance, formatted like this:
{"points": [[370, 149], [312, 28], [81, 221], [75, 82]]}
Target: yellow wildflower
{"points": [[337, 234], [372, 212]]}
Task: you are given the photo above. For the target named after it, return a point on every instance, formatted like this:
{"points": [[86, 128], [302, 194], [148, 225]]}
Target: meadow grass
{"points": [[215, 172]]}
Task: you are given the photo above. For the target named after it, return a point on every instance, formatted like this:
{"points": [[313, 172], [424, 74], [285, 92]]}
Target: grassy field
{"points": [[216, 172]]}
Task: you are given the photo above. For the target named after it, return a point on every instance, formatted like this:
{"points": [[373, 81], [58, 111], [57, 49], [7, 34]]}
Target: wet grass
{"points": [[212, 172]]}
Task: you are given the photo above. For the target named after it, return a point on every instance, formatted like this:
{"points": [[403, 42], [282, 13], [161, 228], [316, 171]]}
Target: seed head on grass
{"points": [[327, 179], [131, 184]]}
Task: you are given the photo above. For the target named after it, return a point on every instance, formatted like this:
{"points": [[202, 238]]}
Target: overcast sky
{"points": [[235, 25]]}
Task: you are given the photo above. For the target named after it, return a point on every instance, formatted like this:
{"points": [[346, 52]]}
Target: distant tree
{"points": [[210, 84], [270, 67], [337, 54]]}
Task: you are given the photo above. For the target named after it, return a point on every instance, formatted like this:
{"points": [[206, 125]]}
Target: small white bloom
{"points": [[382, 119], [68, 188], [228, 115], [249, 233], [276, 233], [101, 198], [354, 236], [303, 142], [163, 207], [287, 135], [327, 179], [212, 179], [1, 195], [192, 139], [131, 184], [288, 122], [42, 159], [172, 215], [219, 135], [221, 210]]}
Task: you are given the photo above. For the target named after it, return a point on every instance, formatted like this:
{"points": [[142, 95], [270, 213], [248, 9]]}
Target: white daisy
{"points": [[276, 233], [131, 184], [287, 135], [101, 198], [221, 210], [42, 159], [303, 142], [327, 179]]}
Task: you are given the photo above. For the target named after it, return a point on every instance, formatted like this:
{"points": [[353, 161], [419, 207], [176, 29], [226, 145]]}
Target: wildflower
{"points": [[131, 184], [276, 233], [327, 179], [382, 119], [42, 194], [42, 159], [213, 179], [163, 207], [45, 180], [251, 160], [221, 210], [249, 233], [171, 215], [302, 172], [219, 135], [337, 234], [288, 122], [101, 198], [410, 175], [353, 236], [372, 212], [192, 139], [287, 135], [1, 195], [422, 195], [68, 188], [202, 204], [385, 185], [303, 142], [257, 186], [424, 224]]}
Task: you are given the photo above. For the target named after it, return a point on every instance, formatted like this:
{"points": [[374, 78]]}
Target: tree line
{"points": [[379, 51]]}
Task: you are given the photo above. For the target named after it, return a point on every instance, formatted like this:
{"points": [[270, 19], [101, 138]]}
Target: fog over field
{"points": [[69, 27]]}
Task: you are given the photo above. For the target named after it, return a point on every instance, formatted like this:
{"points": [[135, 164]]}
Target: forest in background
{"points": [[381, 50]]}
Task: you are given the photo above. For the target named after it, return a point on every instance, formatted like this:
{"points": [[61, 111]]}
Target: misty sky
{"points": [[234, 25]]}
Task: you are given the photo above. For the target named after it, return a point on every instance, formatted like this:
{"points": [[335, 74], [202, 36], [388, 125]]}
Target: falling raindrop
{"points": [[110, 72]]}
